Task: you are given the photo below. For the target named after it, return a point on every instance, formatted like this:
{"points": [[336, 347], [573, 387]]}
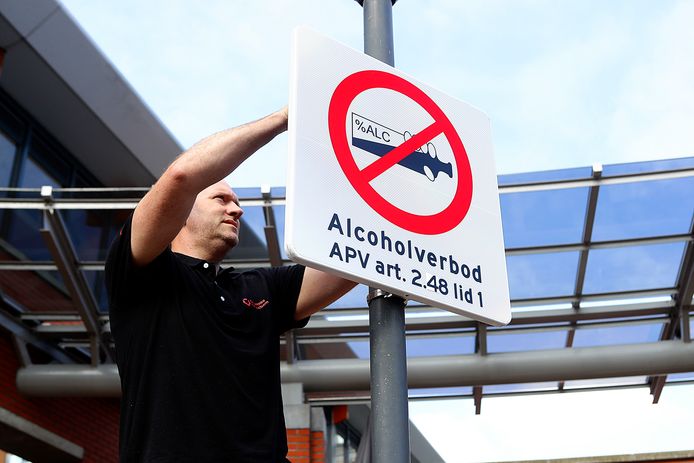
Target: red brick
{"points": [[90, 423]]}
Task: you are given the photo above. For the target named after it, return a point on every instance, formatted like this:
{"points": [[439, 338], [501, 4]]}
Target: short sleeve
{"points": [[124, 279], [285, 285]]}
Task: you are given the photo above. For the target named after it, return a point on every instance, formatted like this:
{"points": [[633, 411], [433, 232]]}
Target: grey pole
{"points": [[390, 439], [389, 422], [378, 30]]}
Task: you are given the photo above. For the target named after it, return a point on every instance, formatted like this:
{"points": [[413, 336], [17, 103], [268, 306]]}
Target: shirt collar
{"points": [[200, 264]]}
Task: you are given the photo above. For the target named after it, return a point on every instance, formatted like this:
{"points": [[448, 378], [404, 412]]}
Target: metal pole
{"points": [[390, 440], [378, 30]]}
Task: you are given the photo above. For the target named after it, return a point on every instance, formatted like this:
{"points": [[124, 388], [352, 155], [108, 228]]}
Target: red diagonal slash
{"points": [[340, 102], [400, 152]]}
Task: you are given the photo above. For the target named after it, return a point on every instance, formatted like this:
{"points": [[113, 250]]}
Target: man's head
{"points": [[213, 225]]}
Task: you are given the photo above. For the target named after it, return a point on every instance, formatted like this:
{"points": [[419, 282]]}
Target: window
{"points": [[7, 152], [35, 176]]}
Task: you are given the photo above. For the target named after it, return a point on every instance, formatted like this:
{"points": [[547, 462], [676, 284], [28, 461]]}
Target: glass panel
{"points": [[92, 231], [354, 298], [633, 268], [279, 223], [612, 170], [519, 341], [21, 237], [415, 347], [543, 217], [278, 191], [247, 192], [542, 275], [36, 291], [21, 227], [424, 347], [615, 335], [524, 387], [578, 173], [343, 451], [47, 161], [7, 152], [360, 348], [35, 176], [680, 377], [252, 243], [652, 208], [440, 392], [605, 382]]}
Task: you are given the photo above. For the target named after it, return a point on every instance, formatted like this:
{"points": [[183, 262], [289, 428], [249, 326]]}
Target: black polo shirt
{"points": [[198, 357]]}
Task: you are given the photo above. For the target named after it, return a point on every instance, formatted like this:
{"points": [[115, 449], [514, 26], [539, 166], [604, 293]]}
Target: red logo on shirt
{"points": [[256, 305]]}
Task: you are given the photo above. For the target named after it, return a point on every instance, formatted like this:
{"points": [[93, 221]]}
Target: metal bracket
{"points": [[679, 315], [292, 346], [273, 247], [58, 242], [684, 320], [25, 334], [361, 2], [477, 396], [22, 352], [376, 293], [481, 339]]}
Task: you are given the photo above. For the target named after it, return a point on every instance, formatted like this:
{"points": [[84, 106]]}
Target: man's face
{"points": [[215, 217]]}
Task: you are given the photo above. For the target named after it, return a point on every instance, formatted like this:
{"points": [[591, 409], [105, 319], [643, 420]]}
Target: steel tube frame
{"points": [[335, 331], [128, 203], [679, 317], [658, 358], [390, 440], [60, 246], [613, 180], [25, 334]]}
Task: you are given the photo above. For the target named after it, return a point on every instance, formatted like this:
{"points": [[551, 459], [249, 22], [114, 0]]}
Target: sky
{"points": [[564, 83]]}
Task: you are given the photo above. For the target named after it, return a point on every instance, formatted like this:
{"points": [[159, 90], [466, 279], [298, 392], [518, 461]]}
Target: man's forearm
{"points": [[163, 211], [214, 157]]}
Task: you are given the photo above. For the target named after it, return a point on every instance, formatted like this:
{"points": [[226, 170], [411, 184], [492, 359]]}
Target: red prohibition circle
{"points": [[340, 101]]}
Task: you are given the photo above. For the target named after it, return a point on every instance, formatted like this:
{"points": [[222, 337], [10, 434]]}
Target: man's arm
{"points": [[161, 214], [318, 290]]}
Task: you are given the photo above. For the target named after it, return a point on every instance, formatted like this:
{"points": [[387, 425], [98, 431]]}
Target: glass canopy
{"points": [[595, 258]]}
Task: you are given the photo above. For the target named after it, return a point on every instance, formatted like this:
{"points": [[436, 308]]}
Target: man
{"points": [[197, 347]]}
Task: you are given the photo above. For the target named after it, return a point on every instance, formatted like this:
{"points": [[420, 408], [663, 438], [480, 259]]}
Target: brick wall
{"points": [[298, 441], [306, 446], [90, 423], [93, 423], [317, 443]]}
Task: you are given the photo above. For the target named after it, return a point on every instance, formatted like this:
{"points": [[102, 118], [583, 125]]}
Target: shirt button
{"points": [[205, 265], [222, 298]]}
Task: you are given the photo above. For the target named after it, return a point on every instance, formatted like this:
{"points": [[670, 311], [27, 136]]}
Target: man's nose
{"points": [[235, 210]]}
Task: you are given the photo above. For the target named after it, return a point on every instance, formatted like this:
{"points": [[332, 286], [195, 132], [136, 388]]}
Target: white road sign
{"points": [[392, 183]]}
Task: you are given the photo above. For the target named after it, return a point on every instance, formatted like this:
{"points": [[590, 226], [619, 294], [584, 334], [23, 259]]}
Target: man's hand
{"points": [[285, 113], [318, 290]]}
